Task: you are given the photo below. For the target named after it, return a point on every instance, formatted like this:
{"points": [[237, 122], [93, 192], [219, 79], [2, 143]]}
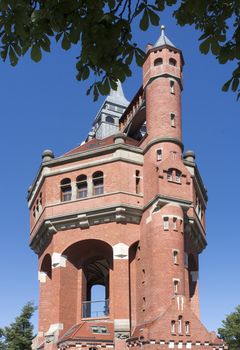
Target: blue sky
{"points": [[43, 106]]}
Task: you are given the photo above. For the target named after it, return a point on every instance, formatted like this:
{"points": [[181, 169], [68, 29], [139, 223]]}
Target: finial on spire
{"points": [[163, 30], [163, 39]]}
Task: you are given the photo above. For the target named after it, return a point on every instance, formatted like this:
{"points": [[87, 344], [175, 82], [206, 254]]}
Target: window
{"points": [[170, 175], [175, 223], [175, 286], [34, 211], [159, 154], [82, 187], [173, 120], [173, 327], [98, 185], [180, 324], [110, 119], [165, 223], [158, 62], [175, 257], [99, 329], [174, 175], [66, 190], [172, 86], [172, 62], [178, 176], [138, 178], [187, 327]]}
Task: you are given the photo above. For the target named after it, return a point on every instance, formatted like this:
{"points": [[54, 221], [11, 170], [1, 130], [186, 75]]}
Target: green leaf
{"points": [[224, 55], [85, 73], [13, 57], [226, 85], [139, 56], [144, 23], [154, 18], [66, 44], [36, 53], [205, 46], [235, 84]]}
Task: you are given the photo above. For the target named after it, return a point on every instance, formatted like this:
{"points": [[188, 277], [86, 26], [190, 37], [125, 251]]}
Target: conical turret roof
{"points": [[163, 39]]}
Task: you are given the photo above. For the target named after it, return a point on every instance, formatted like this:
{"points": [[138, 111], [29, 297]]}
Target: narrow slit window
{"points": [[175, 257], [180, 324], [138, 183], [187, 327], [175, 223], [165, 223], [159, 154], [82, 186], [172, 86], [175, 286], [173, 327], [173, 120], [66, 190]]}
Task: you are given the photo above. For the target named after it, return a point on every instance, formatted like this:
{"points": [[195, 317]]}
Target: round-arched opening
{"points": [[193, 274], [82, 186], [110, 119], [172, 62], [94, 258], [158, 61], [46, 266], [98, 183], [66, 190]]}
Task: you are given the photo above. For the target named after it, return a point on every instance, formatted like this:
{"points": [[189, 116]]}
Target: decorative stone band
{"points": [[171, 344], [85, 345], [118, 213]]}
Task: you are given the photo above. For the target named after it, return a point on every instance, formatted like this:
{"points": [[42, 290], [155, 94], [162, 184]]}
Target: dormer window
{"points": [[172, 62], [158, 61], [66, 190], [109, 119]]}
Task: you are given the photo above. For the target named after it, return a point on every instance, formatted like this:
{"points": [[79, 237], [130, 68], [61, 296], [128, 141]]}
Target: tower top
{"points": [[163, 39], [117, 96]]}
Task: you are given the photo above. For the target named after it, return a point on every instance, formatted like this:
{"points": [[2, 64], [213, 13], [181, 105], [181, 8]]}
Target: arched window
{"points": [[178, 176], [170, 174], [158, 62], [172, 62], [180, 325], [98, 183], [82, 187], [66, 190], [173, 328], [109, 119]]}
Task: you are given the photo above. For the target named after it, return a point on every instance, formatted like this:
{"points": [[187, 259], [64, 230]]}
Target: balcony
{"points": [[95, 309]]}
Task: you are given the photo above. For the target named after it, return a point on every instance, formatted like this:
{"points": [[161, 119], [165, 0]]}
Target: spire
{"points": [[163, 39], [117, 96]]}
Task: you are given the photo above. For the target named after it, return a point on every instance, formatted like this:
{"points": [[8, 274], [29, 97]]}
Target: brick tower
{"points": [[118, 224]]}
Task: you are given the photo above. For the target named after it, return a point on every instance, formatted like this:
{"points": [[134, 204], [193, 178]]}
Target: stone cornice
{"points": [[119, 213], [45, 171], [160, 140], [163, 200], [165, 75]]}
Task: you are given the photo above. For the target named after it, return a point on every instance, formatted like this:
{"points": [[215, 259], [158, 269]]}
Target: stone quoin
{"points": [[125, 211]]}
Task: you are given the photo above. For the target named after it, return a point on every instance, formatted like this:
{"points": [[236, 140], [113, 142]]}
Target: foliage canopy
{"points": [[103, 32], [19, 335], [230, 330]]}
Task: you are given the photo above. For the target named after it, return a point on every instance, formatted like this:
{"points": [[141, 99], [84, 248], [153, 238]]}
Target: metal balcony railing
{"points": [[98, 308]]}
